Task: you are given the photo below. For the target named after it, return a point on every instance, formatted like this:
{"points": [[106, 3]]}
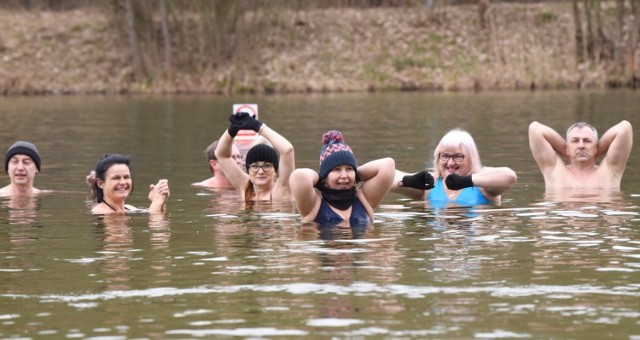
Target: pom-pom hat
{"points": [[262, 153], [22, 148], [334, 153]]}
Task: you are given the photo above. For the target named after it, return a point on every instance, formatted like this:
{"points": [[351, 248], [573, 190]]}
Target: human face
{"points": [[582, 145], [453, 164], [117, 183], [237, 156], [22, 170], [341, 177], [260, 175]]}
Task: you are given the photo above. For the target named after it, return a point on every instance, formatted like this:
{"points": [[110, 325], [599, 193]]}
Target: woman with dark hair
{"points": [[114, 182], [341, 191], [267, 176]]}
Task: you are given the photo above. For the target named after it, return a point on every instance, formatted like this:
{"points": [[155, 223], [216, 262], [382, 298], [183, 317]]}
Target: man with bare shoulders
{"points": [[581, 149], [218, 179], [22, 164]]}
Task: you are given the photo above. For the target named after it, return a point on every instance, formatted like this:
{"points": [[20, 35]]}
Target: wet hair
{"points": [[458, 139], [581, 125], [101, 170]]}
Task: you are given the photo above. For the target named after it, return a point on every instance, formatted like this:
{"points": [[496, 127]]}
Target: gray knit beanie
{"points": [[22, 148]]}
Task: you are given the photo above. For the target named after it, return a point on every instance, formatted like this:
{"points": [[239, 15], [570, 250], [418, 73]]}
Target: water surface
{"points": [[538, 266]]}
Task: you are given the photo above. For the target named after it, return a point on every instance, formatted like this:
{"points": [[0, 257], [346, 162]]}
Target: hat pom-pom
{"points": [[332, 136]]}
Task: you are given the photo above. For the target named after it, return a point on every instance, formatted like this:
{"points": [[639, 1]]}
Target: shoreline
{"points": [[525, 47]]}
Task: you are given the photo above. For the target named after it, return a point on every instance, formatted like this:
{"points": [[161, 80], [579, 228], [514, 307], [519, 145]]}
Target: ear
{"points": [[100, 183], [213, 164]]}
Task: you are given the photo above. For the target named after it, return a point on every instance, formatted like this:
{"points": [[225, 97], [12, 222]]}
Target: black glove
{"points": [[234, 127], [245, 121], [457, 182], [421, 181]]}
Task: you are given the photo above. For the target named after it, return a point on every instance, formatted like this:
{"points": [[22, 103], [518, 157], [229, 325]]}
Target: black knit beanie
{"points": [[335, 153], [22, 148], [262, 153]]}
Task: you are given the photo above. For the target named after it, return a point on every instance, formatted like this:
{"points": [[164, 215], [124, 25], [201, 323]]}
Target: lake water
{"points": [[537, 266]]}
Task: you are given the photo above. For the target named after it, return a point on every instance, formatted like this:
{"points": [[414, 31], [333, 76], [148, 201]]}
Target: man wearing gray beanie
{"points": [[22, 164]]}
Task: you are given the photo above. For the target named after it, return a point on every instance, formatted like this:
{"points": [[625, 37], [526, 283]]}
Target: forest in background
{"points": [[284, 46]]}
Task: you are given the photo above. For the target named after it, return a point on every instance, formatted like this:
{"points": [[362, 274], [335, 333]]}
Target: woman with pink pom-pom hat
{"points": [[341, 192]]}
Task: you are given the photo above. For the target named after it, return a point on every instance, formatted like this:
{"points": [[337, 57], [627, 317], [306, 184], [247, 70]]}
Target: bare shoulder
{"points": [[201, 184], [100, 209]]}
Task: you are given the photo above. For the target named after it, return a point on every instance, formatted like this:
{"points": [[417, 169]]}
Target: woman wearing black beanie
{"points": [[267, 176]]}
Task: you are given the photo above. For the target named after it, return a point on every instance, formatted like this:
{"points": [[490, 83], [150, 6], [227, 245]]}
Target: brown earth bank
{"points": [[522, 46]]}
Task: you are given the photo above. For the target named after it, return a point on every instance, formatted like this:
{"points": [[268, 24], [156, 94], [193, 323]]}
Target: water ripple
{"points": [[360, 289]]}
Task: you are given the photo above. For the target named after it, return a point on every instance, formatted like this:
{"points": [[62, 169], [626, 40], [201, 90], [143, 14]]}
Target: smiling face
{"points": [[341, 177], [259, 175], [456, 142], [117, 183], [582, 145], [453, 160], [22, 170]]}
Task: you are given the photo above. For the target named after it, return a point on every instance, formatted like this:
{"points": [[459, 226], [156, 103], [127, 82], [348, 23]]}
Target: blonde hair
{"points": [[458, 139]]}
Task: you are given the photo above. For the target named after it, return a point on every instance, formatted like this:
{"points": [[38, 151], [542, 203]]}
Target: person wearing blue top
{"points": [[458, 175], [341, 191]]}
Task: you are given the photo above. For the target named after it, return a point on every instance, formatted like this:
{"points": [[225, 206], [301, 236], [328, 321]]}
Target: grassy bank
{"points": [[523, 46]]}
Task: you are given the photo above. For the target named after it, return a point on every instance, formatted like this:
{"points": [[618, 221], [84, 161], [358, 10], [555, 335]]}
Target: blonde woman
{"points": [[458, 175]]}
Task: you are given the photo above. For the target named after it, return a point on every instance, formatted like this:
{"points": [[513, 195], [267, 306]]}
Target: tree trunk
{"points": [[604, 44], [136, 60], [618, 48], [483, 6], [581, 50], [166, 38], [632, 65], [590, 41]]}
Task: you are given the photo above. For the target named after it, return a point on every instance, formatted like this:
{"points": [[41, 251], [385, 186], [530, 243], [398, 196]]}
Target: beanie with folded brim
{"points": [[336, 159], [22, 148], [335, 153], [262, 153]]}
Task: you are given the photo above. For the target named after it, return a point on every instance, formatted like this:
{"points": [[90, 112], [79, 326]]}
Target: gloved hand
{"points": [[234, 127], [421, 181], [245, 121], [457, 182]]}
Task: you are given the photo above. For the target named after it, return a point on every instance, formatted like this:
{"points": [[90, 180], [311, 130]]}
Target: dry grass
{"points": [[76, 52]]}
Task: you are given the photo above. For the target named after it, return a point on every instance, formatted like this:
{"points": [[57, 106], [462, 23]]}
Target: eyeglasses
{"points": [[264, 166], [457, 157]]}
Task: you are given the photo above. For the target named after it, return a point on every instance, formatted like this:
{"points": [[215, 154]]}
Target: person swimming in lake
{"points": [[580, 151], [218, 178], [22, 164], [458, 175], [113, 182], [341, 190], [267, 173]]}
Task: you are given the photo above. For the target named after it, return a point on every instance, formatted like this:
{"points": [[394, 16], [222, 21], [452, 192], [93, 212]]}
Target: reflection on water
{"points": [[540, 265]]}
